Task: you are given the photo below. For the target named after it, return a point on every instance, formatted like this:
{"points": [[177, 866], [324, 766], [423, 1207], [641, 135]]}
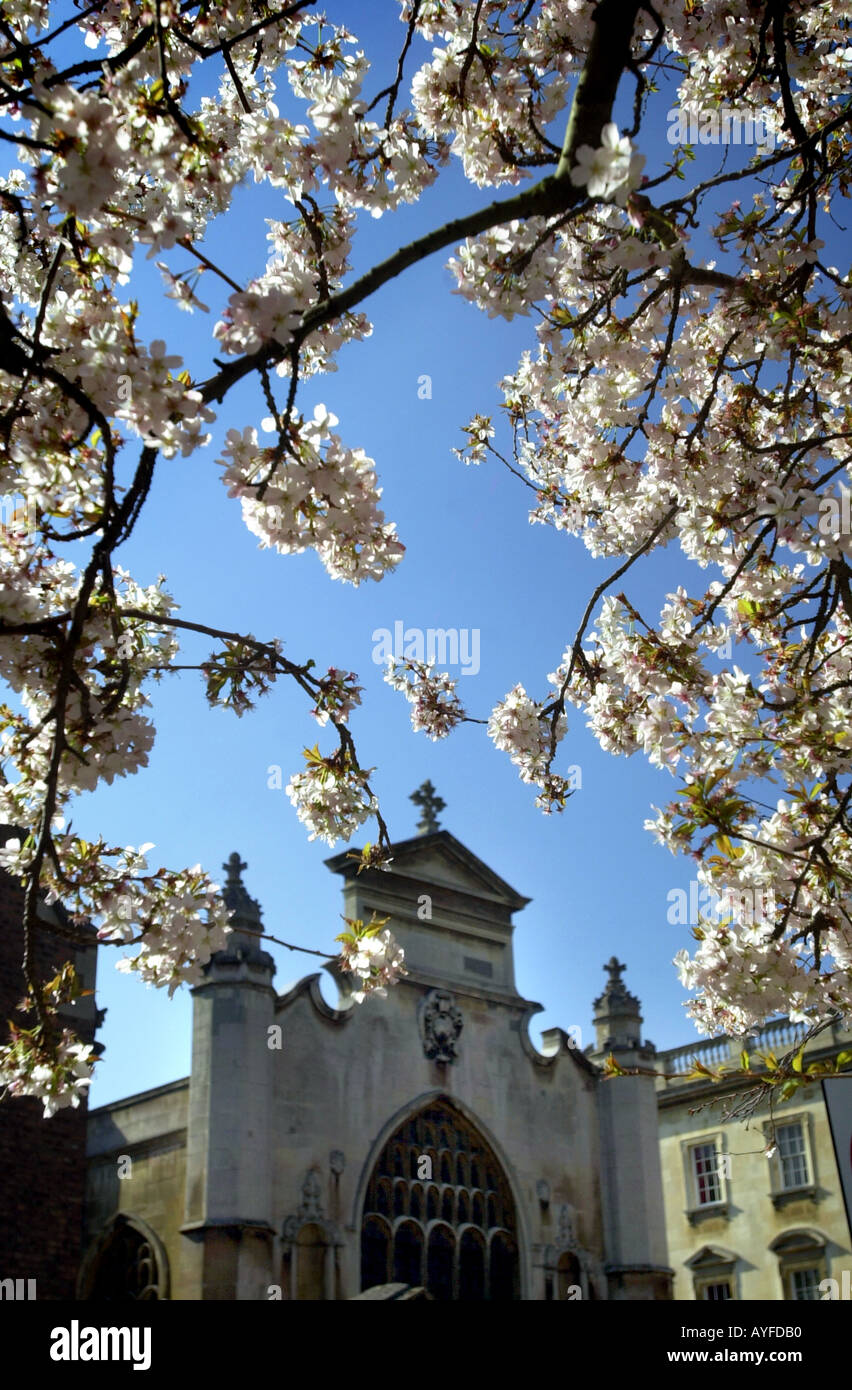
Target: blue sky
{"points": [[597, 881]]}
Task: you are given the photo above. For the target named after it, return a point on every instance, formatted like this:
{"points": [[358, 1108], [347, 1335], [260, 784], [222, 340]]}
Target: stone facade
{"points": [[419, 1139], [422, 1140], [742, 1223]]}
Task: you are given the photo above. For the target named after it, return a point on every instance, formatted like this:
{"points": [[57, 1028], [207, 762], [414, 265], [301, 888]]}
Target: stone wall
{"points": [[149, 1130]]}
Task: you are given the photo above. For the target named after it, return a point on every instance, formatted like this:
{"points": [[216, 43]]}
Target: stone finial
{"points": [[614, 967], [233, 867], [616, 997], [243, 955], [618, 1017], [244, 907], [430, 804]]}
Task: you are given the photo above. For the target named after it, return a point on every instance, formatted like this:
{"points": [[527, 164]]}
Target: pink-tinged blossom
{"points": [[437, 708], [319, 494]]}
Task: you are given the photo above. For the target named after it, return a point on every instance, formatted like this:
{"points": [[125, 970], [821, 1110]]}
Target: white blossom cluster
{"points": [[437, 708], [612, 170], [743, 977], [375, 961], [321, 495], [331, 798], [339, 695], [519, 727], [57, 1081], [181, 920]]}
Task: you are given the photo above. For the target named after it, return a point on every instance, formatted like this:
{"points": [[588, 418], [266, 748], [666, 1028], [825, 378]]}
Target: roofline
{"points": [[138, 1096], [344, 864]]}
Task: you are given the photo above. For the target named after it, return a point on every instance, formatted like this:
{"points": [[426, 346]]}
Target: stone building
{"points": [[752, 1212], [316, 1151]]}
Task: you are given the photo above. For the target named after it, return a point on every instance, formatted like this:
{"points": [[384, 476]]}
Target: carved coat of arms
{"points": [[442, 1023]]}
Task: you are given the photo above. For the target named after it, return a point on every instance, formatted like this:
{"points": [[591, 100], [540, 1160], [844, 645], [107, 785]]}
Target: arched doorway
{"points": [[461, 1243], [568, 1276]]}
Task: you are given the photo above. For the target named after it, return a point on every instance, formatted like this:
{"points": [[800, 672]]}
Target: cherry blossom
{"points": [[332, 796], [685, 385], [57, 1079], [611, 170], [437, 708], [322, 495], [373, 956]]}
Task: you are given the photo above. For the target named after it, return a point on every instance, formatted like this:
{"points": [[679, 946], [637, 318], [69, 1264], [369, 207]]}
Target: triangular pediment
{"points": [[441, 859]]}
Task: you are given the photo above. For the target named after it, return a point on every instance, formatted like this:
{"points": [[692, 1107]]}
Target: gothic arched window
{"points": [[382, 1200], [439, 1263], [435, 1244], [408, 1253], [375, 1251], [503, 1266], [128, 1264], [472, 1266]]}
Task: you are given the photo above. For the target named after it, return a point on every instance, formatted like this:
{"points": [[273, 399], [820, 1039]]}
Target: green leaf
{"points": [[744, 1060], [843, 1059], [797, 1060]]}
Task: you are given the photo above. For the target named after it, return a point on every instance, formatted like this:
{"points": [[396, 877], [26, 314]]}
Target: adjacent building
{"points": [[754, 1207]]}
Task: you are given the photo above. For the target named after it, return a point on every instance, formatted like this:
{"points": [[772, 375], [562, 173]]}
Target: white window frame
{"points": [[802, 1128], [778, 1191], [696, 1209]]}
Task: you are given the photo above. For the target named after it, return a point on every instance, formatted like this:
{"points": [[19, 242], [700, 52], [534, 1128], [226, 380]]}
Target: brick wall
{"points": [[42, 1162]]}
